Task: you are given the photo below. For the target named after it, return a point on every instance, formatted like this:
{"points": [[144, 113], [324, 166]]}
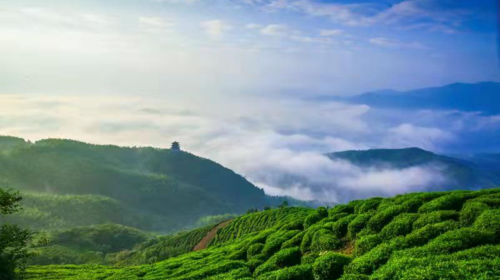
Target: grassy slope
{"points": [[82, 245], [445, 235], [51, 212], [163, 247], [177, 186]]}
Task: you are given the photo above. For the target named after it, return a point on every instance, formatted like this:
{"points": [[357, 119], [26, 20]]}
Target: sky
{"points": [[235, 81]]}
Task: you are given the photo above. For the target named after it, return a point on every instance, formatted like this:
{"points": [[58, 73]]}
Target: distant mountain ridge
{"points": [[465, 174], [479, 97]]}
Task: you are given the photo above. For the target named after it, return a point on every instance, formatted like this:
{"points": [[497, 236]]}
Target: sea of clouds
{"points": [[279, 144]]}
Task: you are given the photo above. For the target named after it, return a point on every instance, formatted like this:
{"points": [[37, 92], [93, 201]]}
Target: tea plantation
{"points": [[440, 235]]}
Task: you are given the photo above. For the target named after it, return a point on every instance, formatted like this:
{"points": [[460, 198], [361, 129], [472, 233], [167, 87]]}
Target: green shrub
{"points": [[470, 212], [322, 211], [401, 225], [371, 261], [335, 217], [366, 243], [324, 240], [465, 266], [492, 201], [294, 225], [423, 235], [367, 205], [343, 208], [312, 219], [309, 258], [294, 241], [256, 261], [412, 205], [481, 252], [298, 272], [364, 232], [305, 245], [489, 221], [254, 249], [453, 201], [284, 258], [240, 274], [386, 203], [330, 266], [453, 241], [435, 217], [340, 227], [240, 254], [423, 197], [357, 224], [377, 222], [275, 240], [351, 276]]}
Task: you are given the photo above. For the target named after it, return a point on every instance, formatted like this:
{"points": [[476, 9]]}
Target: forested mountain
{"points": [[474, 173], [68, 183]]}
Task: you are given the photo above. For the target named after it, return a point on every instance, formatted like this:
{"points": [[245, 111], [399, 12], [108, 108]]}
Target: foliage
{"points": [[436, 217], [330, 266], [95, 244], [401, 225], [489, 221], [14, 241], [162, 248], [394, 238], [366, 243], [284, 258], [259, 221], [215, 219]]}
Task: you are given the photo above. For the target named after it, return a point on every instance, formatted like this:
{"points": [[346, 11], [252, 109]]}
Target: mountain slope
{"points": [[463, 174], [172, 184], [437, 235]]}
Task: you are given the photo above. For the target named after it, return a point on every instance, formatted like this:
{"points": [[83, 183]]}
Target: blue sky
{"points": [[318, 47], [235, 81]]}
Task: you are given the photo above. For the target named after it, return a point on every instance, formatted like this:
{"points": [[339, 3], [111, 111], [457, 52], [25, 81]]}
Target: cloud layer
{"points": [[279, 148]]}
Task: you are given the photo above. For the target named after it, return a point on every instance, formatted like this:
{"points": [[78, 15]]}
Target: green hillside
{"points": [[439, 235], [51, 212], [153, 189], [83, 245], [462, 174], [163, 248]]}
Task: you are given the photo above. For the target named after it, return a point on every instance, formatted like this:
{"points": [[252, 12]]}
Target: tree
{"points": [[284, 204], [14, 241], [176, 146]]}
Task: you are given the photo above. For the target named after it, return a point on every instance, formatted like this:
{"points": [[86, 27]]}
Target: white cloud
{"points": [[156, 22], [58, 18], [216, 28], [254, 26], [407, 134], [424, 14], [330, 32], [176, 1], [308, 39], [275, 30], [390, 43], [390, 181]]}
